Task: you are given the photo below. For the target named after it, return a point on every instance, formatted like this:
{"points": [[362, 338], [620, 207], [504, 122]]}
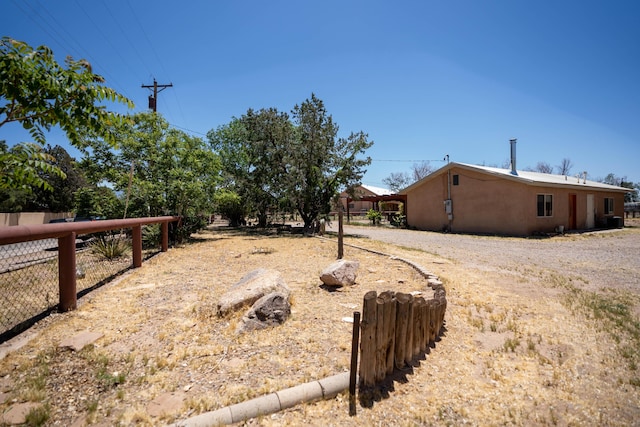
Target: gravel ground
{"points": [[603, 259]]}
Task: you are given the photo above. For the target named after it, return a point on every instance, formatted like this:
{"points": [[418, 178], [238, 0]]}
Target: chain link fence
{"points": [[29, 275]]}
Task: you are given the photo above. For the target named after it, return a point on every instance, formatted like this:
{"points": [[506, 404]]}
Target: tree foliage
{"points": [[273, 161], [319, 163], [22, 166], [39, 93], [230, 205], [61, 197], [251, 154], [160, 170], [102, 202]]}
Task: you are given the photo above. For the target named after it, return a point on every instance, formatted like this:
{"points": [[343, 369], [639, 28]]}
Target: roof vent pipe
{"points": [[513, 156]]}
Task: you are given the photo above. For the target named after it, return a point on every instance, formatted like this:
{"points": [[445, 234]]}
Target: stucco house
{"points": [[477, 199]]}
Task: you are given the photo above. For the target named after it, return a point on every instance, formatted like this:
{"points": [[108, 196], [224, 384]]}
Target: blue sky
{"points": [[423, 78]]}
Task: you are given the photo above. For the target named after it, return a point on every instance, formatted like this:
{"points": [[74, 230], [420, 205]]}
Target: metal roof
{"points": [[529, 178], [378, 191]]}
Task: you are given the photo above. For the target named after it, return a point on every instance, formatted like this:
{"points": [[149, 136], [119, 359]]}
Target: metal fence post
{"points": [[165, 236], [136, 234], [67, 272]]}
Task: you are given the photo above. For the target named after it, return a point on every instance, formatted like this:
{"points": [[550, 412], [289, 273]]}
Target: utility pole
{"points": [[153, 99]]}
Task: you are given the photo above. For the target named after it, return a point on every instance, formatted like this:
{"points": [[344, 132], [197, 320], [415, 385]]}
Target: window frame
{"points": [[547, 205], [608, 206]]}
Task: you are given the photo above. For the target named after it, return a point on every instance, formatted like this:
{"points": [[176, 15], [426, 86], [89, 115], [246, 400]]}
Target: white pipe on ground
{"points": [[326, 388]]}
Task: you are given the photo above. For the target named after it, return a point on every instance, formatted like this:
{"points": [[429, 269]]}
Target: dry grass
{"points": [[514, 352]]}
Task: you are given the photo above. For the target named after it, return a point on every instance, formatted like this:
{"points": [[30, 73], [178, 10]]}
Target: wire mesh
{"points": [[29, 274]]}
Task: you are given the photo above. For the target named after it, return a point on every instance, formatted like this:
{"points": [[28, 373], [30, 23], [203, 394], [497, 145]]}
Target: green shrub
{"points": [[374, 216], [110, 247], [151, 234]]}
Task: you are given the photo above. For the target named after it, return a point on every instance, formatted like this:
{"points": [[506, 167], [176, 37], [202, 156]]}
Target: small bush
{"points": [[374, 216], [151, 234], [110, 247]]}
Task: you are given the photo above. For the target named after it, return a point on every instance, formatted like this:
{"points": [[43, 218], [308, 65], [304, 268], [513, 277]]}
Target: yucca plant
{"points": [[110, 246]]}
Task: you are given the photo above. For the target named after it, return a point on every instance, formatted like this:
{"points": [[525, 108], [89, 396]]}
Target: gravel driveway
{"points": [[603, 259]]}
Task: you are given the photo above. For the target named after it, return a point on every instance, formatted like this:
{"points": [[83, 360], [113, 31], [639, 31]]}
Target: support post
{"points": [[340, 235], [165, 237], [354, 363], [136, 243], [67, 272]]}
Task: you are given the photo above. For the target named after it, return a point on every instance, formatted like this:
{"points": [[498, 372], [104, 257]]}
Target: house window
{"points": [[352, 205], [456, 179], [608, 205], [545, 205]]}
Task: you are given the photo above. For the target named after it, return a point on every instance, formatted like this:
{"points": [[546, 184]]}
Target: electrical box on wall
{"points": [[448, 208]]}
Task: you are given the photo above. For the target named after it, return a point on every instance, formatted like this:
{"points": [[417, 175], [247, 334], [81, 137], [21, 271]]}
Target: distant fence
{"points": [[631, 208], [45, 266], [396, 329]]}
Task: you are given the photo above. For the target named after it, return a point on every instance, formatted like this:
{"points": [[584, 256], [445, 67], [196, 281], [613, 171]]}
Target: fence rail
{"points": [[397, 328], [41, 262]]}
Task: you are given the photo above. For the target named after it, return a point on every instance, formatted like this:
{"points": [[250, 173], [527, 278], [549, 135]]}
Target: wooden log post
{"points": [[390, 329], [402, 320], [424, 338], [383, 335], [408, 352], [418, 332], [368, 340], [439, 308], [432, 322], [443, 302]]}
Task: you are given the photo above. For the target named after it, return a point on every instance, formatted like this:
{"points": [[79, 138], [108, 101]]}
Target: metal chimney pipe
{"points": [[513, 156]]}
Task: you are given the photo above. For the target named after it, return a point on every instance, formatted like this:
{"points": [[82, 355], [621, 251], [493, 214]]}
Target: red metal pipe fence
{"points": [[66, 234]]}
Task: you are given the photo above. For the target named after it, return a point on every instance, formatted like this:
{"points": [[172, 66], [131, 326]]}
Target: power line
{"points": [[410, 161]]}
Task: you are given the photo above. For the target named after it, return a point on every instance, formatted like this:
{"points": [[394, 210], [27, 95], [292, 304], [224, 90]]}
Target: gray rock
{"points": [[270, 310], [340, 273], [253, 286]]}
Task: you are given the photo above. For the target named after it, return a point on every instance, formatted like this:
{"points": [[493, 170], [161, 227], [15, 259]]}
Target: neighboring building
{"points": [[368, 197], [476, 199]]}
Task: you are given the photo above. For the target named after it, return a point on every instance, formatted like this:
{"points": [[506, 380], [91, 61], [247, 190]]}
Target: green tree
{"points": [[230, 205], [252, 150], [318, 163], [274, 162], [22, 166], [97, 202], [613, 179], [39, 93], [61, 197], [160, 170]]}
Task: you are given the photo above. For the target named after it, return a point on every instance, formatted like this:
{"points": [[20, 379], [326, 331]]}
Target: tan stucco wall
{"points": [[487, 204], [30, 218]]}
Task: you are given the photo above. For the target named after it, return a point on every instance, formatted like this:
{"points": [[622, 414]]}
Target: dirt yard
{"points": [[526, 342]]}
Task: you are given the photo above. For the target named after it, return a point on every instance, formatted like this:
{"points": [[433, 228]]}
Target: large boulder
{"points": [[270, 310], [253, 286], [340, 273]]}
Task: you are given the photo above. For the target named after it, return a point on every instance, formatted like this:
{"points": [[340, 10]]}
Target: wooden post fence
{"points": [[396, 329]]}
